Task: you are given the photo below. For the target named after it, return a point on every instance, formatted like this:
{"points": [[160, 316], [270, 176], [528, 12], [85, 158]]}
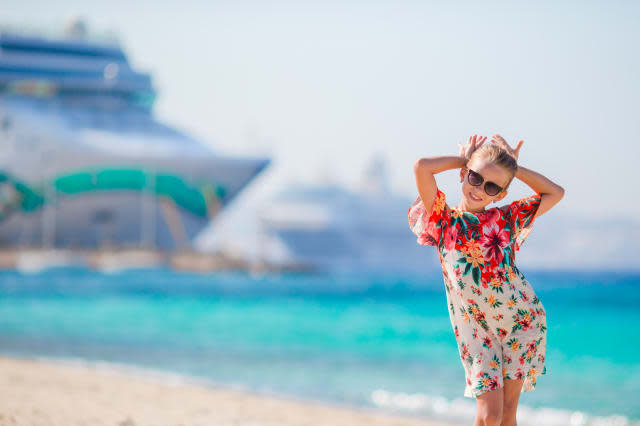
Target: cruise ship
{"points": [[84, 163], [332, 228]]}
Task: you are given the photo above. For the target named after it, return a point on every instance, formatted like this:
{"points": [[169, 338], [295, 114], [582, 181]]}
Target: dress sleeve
{"points": [[429, 226], [521, 216]]}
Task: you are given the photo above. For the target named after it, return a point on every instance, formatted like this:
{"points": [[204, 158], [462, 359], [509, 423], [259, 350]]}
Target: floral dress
{"points": [[498, 321]]}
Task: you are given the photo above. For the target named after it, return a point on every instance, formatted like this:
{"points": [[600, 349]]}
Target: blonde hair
{"points": [[493, 154]]}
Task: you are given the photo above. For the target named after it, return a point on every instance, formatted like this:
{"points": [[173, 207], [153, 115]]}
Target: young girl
{"points": [[498, 321]]}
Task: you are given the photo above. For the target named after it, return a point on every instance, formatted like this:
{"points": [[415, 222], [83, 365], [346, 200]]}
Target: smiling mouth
{"points": [[474, 198]]}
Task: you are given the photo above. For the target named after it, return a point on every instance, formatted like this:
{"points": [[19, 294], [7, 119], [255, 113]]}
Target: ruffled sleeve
{"points": [[429, 227], [521, 214]]}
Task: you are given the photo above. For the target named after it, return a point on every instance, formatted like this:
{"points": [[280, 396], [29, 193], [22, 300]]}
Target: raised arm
{"points": [[550, 192], [425, 168]]}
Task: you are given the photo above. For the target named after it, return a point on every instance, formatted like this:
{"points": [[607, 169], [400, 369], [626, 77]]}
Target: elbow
{"points": [[421, 164]]}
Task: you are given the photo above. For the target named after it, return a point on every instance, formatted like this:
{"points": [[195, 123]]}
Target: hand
{"points": [[472, 144], [499, 140]]}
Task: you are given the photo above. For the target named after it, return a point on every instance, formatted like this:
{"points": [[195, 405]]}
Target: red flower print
{"points": [[450, 236], [486, 342], [458, 273], [493, 242], [464, 354]]}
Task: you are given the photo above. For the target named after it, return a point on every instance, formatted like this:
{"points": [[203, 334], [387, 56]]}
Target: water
{"points": [[383, 341]]}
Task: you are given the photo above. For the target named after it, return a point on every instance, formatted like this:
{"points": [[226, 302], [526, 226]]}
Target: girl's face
{"points": [[474, 198]]}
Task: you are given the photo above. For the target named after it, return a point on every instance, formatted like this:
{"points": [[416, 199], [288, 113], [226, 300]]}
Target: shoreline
{"points": [[69, 392]]}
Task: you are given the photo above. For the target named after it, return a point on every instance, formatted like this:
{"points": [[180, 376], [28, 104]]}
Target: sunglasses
{"points": [[476, 179]]}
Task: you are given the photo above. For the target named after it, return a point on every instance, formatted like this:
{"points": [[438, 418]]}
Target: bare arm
{"points": [[551, 193], [425, 168]]}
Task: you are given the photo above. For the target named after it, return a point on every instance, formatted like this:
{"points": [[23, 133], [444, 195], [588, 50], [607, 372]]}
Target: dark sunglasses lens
{"points": [[491, 188], [474, 178]]}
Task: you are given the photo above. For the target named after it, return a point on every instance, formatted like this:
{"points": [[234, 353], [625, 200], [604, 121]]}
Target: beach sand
{"points": [[36, 392]]}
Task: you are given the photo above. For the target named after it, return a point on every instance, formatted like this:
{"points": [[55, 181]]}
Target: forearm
{"points": [[440, 163], [538, 182]]}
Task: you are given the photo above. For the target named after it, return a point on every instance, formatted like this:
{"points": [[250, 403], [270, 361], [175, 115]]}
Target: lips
{"points": [[474, 198]]}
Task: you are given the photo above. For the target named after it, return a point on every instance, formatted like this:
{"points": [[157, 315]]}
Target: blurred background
{"points": [[221, 189]]}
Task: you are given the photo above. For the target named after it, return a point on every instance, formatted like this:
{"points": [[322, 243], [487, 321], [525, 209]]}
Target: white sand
{"points": [[34, 392]]}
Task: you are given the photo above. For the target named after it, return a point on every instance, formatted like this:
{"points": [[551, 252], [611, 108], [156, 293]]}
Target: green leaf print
{"points": [[476, 275]]}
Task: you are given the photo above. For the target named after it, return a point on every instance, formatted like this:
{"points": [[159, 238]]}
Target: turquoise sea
{"points": [[381, 340]]}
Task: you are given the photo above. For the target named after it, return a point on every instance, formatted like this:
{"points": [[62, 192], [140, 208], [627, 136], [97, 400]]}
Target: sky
{"points": [[321, 87]]}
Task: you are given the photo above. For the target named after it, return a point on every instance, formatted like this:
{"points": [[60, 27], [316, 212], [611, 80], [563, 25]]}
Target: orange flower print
{"points": [[456, 212], [492, 301], [522, 320], [486, 382], [494, 363], [514, 344], [496, 285], [473, 253]]}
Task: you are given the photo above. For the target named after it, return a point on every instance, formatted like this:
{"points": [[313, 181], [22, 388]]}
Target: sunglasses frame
{"points": [[483, 183]]}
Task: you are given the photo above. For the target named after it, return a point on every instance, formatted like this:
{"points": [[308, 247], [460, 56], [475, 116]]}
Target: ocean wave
{"points": [[464, 410]]}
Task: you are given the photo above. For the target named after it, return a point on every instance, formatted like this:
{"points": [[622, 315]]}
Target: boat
{"points": [[85, 164], [333, 228]]}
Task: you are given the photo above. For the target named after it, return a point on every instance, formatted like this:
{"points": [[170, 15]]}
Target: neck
{"points": [[463, 206]]}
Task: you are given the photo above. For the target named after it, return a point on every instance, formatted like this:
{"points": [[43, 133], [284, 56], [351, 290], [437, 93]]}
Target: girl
{"points": [[498, 321]]}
